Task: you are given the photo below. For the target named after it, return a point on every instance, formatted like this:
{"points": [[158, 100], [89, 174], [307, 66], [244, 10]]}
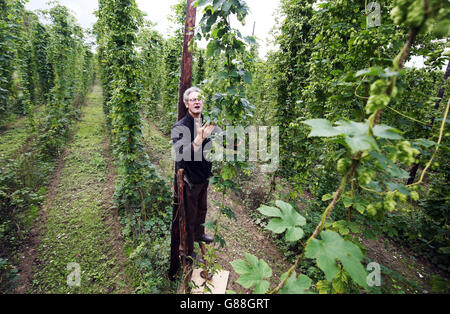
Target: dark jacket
{"points": [[196, 167]]}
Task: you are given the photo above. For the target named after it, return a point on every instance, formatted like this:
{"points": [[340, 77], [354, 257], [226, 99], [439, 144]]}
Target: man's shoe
{"points": [[206, 238]]}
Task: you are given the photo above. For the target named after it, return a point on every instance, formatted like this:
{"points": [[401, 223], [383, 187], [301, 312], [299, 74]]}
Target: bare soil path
{"points": [[241, 235], [402, 270]]}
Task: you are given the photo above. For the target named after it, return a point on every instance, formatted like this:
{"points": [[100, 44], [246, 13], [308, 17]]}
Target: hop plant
{"points": [[405, 153], [389, 203], [365, 176], [408, 13], [428, 15], [343, 164], [377, 102], [378, 87]]}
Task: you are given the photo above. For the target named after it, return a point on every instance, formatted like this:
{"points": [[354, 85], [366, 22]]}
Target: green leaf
{"points": [[377, 71], [217, 4], [321, 128], [218, 238], [293, 234], [341, 227], [247, 77], [424, 142], [276, 226], [351, 127], [227, 173], [392, 186], [323, 286], [283, 205], [356, 135], [392, 169], [347, 201], [212, 49], [229, 212], [286, 219], [386, 131], [269, 211], [226, 6], [200, 3], [250, 40], [340, 283], [369, 71], [253, 272], [333, 248], [296, 285], [360, 142], [388, 73], [210, 225], [241, 267], [360, 207]]}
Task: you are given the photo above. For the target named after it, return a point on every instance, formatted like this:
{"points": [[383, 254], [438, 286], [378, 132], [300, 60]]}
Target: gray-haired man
{"points": [[189, 138]]}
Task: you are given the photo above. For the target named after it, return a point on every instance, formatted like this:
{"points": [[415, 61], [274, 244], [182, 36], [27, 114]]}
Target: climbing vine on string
{"points": [[371, 166]]}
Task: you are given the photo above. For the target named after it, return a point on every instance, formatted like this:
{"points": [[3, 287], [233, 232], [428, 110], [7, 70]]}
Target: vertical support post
{"points": [[186, 62], [185, 83]]}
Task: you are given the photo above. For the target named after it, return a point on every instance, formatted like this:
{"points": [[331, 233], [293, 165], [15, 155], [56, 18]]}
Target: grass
{"points": [[6, 121], [159, 149], [13, 139], [76, 229]]}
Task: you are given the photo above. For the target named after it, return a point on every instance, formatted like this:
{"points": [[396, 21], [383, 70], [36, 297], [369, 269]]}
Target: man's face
{"points": [[194, 104]]}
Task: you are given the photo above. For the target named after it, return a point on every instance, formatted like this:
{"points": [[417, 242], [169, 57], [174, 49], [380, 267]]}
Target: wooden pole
{"points": [[186, 62], [185, 82]]}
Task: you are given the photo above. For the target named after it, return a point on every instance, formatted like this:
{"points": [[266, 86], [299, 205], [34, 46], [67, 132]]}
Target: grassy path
{"points": [[80, 224]]}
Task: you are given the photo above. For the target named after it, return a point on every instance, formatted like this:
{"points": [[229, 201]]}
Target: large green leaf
{"points": [[351, 127], [424, 142], [360, 142], [286, 219], [269, 211], [386, 131], [296, 285], [333, 248], [321, 128], [392, 169], [253, 273], [356, 134]]}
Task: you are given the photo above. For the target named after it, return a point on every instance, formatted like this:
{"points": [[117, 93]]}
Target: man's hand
{"points": [[204, 131]]}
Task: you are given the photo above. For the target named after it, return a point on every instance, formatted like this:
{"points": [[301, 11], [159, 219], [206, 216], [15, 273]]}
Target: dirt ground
{"points": [[243, 236], [416, 270]]}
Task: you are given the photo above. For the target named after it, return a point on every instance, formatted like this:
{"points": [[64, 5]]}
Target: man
{"points": [[189, 138]]}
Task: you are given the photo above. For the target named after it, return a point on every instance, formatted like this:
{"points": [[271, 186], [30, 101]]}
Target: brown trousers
{"points": [[195, 204]]}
